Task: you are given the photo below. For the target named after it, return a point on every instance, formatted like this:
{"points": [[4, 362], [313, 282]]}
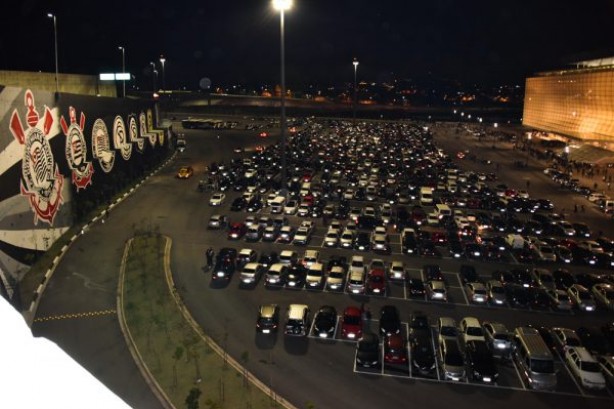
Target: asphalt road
{"points": [[302, 370]]}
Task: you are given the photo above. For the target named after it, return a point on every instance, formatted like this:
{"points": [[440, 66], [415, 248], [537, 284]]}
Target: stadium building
{"points": [[575, 106]]}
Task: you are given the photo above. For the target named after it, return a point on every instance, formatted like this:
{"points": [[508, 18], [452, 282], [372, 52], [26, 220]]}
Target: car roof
{"points": [[268, 310]]}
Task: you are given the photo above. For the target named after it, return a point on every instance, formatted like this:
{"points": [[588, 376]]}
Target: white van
{"points": [[426, 196], [277, 205]]}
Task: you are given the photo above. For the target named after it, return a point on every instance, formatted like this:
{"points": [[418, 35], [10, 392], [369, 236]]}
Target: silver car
{"points": [[499, 338], [452, 362], [496, 292]]}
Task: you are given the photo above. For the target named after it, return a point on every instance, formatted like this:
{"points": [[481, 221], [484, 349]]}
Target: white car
{"points": [[291, 207], [217, 199], [335, 278], [315, 276], [476, 292], [471, 330], [585, 368], [436, 290], [301, 237], [251, 273], [332, 238], [396, 271], [347, 239], [496, 292]]}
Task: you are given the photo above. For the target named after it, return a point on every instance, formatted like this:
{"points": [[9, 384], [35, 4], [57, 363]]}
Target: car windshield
{"points": [[449, 331], [352, 320], [367, 346], [584, 295], [590, 366], [497, 290], [573, 342], [377, 279], [542, 365], [502, 337], [475, 331], [454, 360]]}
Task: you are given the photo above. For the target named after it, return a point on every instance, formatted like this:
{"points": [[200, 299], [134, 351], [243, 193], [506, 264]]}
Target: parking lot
{"points": [[458, 302]]}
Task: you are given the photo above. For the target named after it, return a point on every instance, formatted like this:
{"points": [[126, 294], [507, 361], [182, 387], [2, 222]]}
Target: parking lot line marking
{"points": [[463, 289], [88, 314], [435, 353], [519, 375]]}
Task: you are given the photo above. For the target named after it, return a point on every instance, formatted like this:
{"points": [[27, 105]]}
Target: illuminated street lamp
{"points": [[162, 61], [123, 50], [55, 36], [282, 6], [355, 101]]}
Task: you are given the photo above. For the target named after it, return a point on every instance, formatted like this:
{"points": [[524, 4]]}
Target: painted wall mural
{"points": [[58, 160], [76, 149]]}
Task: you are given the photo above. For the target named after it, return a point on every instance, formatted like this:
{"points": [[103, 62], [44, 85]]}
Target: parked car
{"points": [[395, 350], [368, 351], [268, 318], [325, 322], [297, 323], [564, 338], [452, 361], [581, 298], [481, 363], [585, 368], [499, 339], [389, 321], [351, 323]]}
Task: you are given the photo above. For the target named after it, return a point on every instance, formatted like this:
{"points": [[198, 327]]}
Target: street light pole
{"points": [[55, 36], [355, 62], [162, 61], [123, 50], [282, 6]]}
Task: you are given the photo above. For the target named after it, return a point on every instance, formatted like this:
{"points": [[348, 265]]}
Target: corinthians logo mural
{"points": [[76, 150], [42, 178], [41, 181]]}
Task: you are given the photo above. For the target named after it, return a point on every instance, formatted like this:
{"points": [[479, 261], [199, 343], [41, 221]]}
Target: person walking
{"points": [[209, 255]]}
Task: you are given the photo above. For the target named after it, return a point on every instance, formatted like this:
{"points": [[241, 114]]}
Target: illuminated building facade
{"points": [[577, 103]]}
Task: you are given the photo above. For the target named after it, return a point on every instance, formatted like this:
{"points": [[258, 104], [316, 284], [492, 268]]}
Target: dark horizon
{"points": [[480, 42]]}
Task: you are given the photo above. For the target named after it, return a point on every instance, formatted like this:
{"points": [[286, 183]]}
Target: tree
{"points": [[192, 400]]}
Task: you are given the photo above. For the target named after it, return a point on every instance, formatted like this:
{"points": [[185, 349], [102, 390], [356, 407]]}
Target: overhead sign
{"points": [[118, 76]]}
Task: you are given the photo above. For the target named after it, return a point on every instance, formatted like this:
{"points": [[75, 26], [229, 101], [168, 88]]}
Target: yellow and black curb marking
{"points": [[89, 314]]}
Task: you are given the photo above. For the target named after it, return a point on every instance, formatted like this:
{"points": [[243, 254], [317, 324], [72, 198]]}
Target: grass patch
{"points": [[190, 373]]}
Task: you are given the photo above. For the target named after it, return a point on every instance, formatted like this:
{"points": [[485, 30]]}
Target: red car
{"points": [[376, 282], [237, 231], [351, 323], [395, 350]]}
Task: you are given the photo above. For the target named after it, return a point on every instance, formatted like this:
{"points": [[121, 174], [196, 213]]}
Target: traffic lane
{"points": [[540, 186]]}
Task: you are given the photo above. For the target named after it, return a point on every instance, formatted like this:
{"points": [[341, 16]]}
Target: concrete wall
{"points": [[68, 83], [60, 155]]}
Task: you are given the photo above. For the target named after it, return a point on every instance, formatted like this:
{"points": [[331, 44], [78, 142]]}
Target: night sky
{"points": [[237, 41]]}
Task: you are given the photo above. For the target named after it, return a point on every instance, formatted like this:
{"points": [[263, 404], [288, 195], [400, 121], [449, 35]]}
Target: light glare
{"points": [[282, 5]]}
